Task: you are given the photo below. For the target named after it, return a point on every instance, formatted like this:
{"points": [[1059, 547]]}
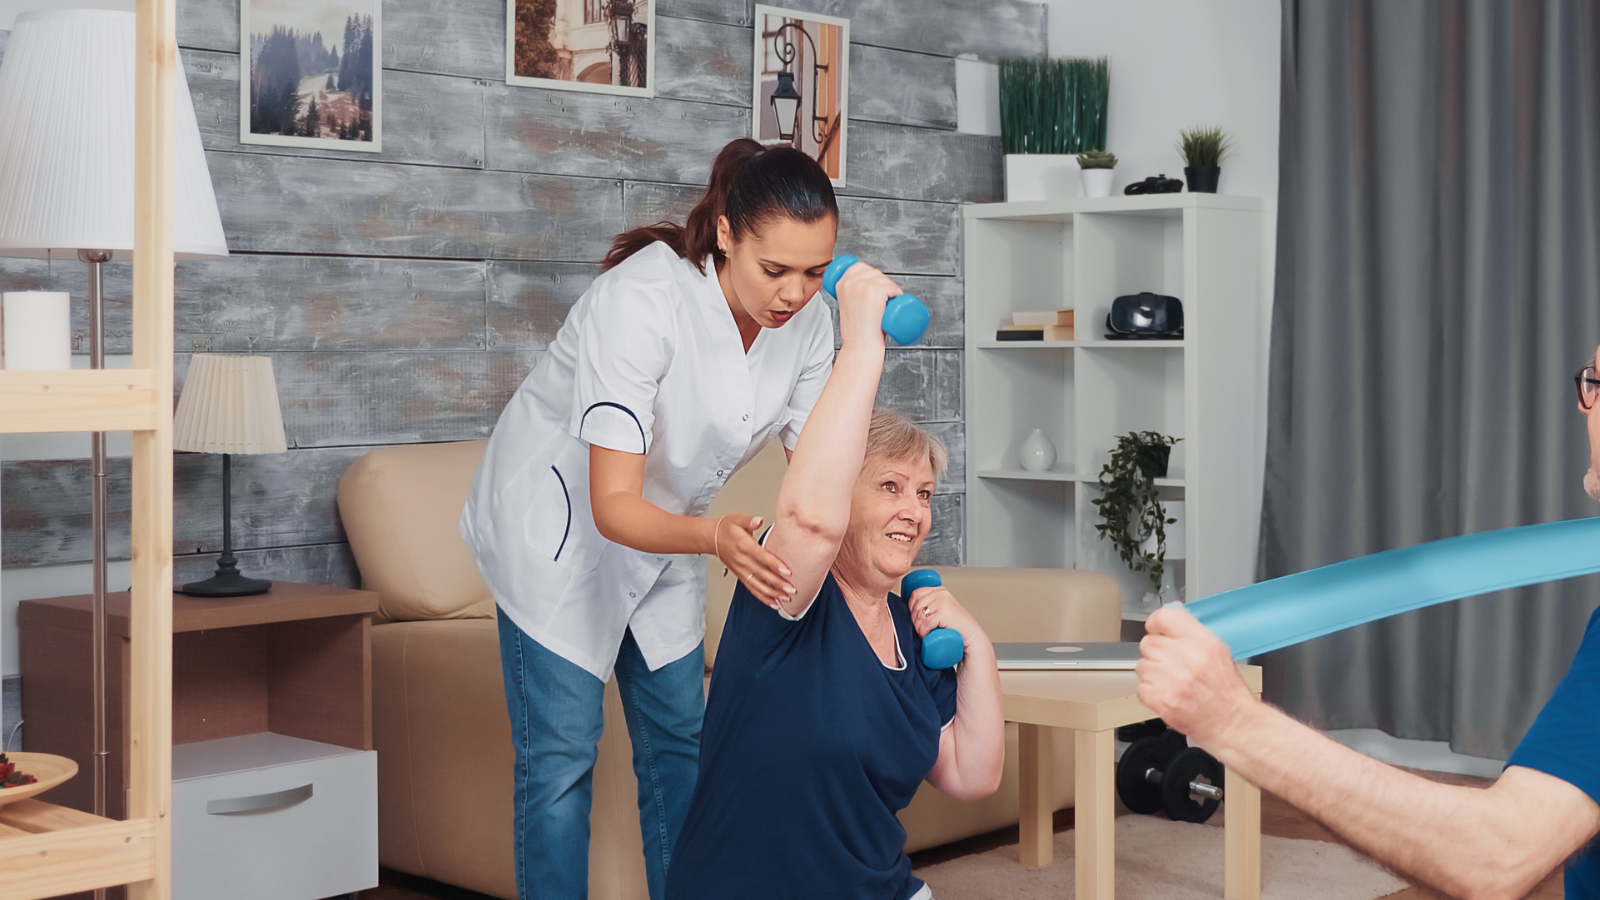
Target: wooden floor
{"points": [[397, 886], [1278, 818]]}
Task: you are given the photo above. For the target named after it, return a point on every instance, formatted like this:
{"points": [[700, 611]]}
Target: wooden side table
{"points": [[1092, 705], [294, 662]]}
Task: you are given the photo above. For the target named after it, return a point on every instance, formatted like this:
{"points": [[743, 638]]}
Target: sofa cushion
{"points": [[445, 765], [399, 506]]}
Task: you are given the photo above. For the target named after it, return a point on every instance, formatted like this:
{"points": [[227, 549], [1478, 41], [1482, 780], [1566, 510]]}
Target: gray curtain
{"points": [[1438, 283]]}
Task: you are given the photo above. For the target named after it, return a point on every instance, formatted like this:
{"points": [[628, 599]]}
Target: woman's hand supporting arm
{"points": [[814, 501], [623, 516]]}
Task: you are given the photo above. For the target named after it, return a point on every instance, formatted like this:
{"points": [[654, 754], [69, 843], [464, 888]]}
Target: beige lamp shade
{"points": [[229, 404], [66, 142]]}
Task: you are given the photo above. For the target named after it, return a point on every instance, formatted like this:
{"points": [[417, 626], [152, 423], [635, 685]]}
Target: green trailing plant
{"points": [[1097, 159], [1053, 105], [1203, 146], [1130, 511]]}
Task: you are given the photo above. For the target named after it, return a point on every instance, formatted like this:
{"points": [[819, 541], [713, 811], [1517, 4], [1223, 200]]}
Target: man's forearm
{"points": [[1440, 835]]}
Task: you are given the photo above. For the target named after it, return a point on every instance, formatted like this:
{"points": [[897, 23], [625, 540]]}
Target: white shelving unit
{"points": [[1204, 249]]}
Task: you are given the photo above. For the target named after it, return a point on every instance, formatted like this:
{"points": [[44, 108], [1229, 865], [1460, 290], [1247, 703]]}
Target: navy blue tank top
{"points": [[810, 747]]}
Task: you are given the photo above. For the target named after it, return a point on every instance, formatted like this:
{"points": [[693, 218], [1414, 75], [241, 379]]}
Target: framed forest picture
{"points": [[312, 74]]}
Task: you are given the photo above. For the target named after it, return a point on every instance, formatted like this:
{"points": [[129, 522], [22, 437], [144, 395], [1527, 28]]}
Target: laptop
{"points": [[1112, 656]]}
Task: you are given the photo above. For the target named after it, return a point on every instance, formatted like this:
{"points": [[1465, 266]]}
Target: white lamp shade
{"points": [[229, 404], [66, 142]]}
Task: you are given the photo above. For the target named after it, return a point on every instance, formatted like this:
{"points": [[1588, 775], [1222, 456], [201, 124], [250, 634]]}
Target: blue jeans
{"points": [[556, 719]]}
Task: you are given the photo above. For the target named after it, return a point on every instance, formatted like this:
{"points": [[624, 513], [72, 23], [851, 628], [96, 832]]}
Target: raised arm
{"points": [[814, 501], [972, 750], [1466, 842]]}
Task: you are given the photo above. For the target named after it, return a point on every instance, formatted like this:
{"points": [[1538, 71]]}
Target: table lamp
{"points": [[66, 192], [229, 405]]}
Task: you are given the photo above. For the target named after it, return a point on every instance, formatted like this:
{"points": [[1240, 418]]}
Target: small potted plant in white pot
{"points": [[1098, 167], [1050, 111]]}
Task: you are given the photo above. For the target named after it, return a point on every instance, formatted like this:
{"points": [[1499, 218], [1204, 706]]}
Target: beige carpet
{"points": [[1158, 859]]}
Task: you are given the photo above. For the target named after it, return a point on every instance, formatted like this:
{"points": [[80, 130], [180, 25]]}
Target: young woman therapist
{"points": [[694, 348]]}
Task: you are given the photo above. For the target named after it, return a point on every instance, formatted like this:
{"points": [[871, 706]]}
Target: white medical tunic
{"points": [[649, 361]]}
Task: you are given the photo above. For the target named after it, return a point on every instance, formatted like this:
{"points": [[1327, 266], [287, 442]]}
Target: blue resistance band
{"points": [[1273, 614]]}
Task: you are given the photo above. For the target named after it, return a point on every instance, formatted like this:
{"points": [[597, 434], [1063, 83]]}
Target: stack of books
{"points": [[1044, 325]]}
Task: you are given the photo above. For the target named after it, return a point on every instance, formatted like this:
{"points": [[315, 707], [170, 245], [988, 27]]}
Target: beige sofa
{"points": [[439, 716]]}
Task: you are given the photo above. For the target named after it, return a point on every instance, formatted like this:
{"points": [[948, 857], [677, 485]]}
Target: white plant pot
{"points": [[1036, 454], [1097, 182], [1041, 176]]}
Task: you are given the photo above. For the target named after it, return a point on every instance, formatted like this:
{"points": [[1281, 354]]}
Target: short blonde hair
{"points": [[892, 435]]}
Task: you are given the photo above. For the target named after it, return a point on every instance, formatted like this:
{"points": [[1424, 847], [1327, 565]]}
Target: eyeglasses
{"points": [[1587, 385]]}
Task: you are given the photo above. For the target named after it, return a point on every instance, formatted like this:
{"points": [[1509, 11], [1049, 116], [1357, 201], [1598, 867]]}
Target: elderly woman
{"points": [[822, 720]]}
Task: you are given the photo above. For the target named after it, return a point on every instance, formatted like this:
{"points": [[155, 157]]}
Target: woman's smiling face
{"points": [[890, 513]]}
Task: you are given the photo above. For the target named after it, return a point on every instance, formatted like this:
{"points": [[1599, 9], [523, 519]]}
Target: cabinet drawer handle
{"points": [[259, 802]]}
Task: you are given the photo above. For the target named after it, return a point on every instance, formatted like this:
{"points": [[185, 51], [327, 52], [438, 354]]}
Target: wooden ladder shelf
{"points": [[48, 850]]}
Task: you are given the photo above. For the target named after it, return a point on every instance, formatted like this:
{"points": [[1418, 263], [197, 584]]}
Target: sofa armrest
{"points": [[445, 761], [1039, 604]]}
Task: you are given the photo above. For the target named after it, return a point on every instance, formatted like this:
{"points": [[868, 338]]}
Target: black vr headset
{"points": [[1146, 317]]}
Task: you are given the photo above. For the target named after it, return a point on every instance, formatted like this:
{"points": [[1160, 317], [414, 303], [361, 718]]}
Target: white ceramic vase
{"points": [[1041, 176], [1036, 454], [1097, 182]]}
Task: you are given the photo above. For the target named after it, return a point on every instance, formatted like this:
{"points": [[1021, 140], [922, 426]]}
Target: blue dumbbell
{"points": [[941, 647], [905, 317]]}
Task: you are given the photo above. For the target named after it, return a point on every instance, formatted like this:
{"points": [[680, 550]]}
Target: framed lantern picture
{"points": [[601, 46], [313, 75], [802, 84]]}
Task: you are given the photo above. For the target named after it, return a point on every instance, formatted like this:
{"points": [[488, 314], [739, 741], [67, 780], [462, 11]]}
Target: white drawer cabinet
{"points": [[270, 817]]}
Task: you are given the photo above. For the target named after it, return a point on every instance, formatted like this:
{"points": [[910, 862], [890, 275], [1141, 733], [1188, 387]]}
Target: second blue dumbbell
{"points": [[941, 647], [905, 317]]}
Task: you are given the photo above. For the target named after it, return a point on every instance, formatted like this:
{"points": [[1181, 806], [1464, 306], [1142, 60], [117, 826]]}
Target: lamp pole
{"points": [[619, 14], [96, 260]]}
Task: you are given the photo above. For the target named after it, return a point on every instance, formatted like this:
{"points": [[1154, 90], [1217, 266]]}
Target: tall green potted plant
{"points": [[1203, 150], [1131, 513], [1050, 110]]}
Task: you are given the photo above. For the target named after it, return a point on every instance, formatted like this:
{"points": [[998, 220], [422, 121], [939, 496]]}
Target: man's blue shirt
{"points": [[1564, 741]]}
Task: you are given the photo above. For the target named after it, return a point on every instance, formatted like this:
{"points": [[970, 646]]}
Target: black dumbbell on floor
{"points": [[1165, 773]]}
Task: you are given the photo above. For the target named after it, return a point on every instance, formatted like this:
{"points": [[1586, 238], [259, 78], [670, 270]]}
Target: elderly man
{"points": [[1466, 842]]}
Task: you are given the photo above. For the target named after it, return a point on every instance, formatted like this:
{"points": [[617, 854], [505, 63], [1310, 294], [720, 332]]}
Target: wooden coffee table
{"points": [[1091, 705]]}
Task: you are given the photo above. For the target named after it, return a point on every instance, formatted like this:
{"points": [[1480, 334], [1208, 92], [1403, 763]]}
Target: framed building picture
{"points": [[802, 84], [601, 46], [312, 74]]}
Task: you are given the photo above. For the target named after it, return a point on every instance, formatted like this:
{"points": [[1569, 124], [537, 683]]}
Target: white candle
{"points": [[38, 330]]}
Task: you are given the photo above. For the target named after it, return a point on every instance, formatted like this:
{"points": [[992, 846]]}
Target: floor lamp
{"points": [[66, 192]]}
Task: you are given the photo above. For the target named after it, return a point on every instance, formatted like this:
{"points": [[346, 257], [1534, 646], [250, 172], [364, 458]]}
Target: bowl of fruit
{"points": [[23, 775]]}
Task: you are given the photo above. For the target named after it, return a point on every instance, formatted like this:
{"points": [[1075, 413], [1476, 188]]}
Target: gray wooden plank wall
{"points": [[404, 295]]}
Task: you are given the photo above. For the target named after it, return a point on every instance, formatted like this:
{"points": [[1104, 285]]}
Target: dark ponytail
{"points": [[749, 184]]}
